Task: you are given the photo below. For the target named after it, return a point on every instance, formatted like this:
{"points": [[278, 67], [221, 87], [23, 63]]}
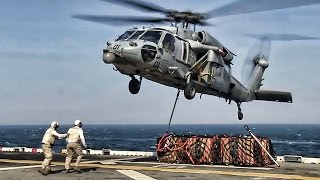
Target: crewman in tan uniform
{"points": [[75, 135], [47, 143]]}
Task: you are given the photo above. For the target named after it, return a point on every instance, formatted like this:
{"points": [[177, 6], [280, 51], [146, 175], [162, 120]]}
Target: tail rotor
{"points": [[258, 53]]}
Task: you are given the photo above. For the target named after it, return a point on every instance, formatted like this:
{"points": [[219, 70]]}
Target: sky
{"points": [[52, 69]]}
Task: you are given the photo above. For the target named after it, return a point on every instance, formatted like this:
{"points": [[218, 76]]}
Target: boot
{"points": [[68, 171], [47, 170], [43, 171], [78, 169]]}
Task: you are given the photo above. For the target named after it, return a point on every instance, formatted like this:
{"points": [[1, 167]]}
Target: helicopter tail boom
{"points": [[279, 96]]}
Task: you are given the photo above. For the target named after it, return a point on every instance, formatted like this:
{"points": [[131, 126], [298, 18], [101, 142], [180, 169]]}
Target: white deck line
{"points": [[135, 175], [89, 162], [19, 167]]}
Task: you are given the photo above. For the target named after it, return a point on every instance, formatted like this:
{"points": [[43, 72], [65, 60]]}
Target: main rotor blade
{"points": [[119, 19], [250, 6], [282, 37], [140, 5]]}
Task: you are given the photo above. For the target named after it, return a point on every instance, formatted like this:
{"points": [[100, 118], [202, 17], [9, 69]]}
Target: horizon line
{"points": [[121, 124]]}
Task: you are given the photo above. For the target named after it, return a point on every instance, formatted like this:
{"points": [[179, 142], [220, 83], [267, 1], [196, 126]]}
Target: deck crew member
{"points": [[47, 142], [75, 135]]}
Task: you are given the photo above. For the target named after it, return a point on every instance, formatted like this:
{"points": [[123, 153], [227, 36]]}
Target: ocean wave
{"points": [[294, 142]]}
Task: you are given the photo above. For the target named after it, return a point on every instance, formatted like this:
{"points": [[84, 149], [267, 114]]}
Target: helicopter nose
{"points": [[109, 57], [122, 52]]}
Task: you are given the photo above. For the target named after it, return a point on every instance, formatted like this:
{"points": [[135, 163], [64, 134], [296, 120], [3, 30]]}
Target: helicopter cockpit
{"points": [[161, 39], [125, 35], [146, 35], [156, 49]]}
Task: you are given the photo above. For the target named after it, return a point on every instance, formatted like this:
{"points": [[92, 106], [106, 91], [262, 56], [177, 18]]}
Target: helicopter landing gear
{"points": [[240, 114], [190, 91], [134, 85]]}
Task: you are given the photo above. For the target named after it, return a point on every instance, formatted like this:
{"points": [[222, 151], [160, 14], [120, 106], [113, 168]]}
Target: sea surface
{"points": [[287, 139]]}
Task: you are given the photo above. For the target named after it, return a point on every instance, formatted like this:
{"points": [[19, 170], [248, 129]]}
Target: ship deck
{"points": [[25, 165]]}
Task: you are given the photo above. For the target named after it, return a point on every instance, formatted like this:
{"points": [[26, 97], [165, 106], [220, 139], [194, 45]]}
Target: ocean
{"points": [[301, 140]]}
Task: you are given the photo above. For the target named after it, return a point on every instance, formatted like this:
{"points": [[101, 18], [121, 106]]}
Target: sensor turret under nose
{"points": [[108, 57]]}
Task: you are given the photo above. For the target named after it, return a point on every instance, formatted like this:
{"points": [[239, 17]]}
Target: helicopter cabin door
{"points": [[166, 54], [220, 77], [184, 54]]}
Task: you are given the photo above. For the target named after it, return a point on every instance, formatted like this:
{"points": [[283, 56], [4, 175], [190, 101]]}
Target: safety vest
{"points": [[48, 137], [73, 134]]}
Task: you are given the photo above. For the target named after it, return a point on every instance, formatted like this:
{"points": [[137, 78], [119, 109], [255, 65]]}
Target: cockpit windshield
{"points": [[136, 35], [125, 35], [152, 36]]}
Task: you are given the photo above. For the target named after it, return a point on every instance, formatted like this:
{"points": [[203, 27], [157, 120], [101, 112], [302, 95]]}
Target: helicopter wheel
{"points": [[240, 115], [190, 91], [134, 86]]}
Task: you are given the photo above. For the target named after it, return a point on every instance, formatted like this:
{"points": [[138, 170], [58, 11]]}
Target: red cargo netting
{"points": [[224, 150]]}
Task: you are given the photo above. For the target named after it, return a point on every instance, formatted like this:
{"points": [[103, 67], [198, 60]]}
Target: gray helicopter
{"points": [[190, 60]]}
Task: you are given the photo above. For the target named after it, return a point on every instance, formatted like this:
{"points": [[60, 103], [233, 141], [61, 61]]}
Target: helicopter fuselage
{"points": [[168, 55], [193, 61]]}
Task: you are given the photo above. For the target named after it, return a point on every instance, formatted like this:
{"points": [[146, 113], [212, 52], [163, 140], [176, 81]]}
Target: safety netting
{"points": [[217, 149]]}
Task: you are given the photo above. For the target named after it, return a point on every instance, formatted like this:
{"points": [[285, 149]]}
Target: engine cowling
{"points": [[205, 38]]}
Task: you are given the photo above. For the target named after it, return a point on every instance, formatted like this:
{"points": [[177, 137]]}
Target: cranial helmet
{"points": [[54, 124], [77, 123]]}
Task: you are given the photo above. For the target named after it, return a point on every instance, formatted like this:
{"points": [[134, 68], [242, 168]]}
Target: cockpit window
{"points": [[152, 36], [125, 35], [168, 42], [136, 35]]}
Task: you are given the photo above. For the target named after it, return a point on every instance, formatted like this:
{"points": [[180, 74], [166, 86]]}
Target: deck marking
{"points": [[19, 167], [185, 170], [239, 167], [89, 162], [161, 165], [156, 164], [179, 167], [135, 175], [169, 166]]}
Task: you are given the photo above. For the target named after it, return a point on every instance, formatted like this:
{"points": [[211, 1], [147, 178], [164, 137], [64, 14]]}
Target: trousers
{"points": [[47, 151], [76, 148]]}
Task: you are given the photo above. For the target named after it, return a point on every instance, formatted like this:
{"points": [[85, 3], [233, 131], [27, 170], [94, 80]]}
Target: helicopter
{"points": [[178, 56]]}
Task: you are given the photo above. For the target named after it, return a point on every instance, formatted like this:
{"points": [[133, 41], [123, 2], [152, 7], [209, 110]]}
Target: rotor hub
{"points": [[263, 63]]}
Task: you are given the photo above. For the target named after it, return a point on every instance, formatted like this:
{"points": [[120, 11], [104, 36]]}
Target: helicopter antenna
{"points": [[171, 24]]}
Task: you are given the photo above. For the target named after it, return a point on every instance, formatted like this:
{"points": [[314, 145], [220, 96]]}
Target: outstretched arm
{"points": [[60, 136]]}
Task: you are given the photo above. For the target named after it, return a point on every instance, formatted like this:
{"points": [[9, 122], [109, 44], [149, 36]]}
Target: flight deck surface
{"points": [[25, 165]]}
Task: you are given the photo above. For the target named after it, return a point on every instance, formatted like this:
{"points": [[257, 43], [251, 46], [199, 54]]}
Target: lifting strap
{"points": [[174, 107]]}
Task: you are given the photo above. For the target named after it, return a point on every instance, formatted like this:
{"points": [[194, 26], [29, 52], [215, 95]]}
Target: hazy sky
{"points": [[52, 68]]}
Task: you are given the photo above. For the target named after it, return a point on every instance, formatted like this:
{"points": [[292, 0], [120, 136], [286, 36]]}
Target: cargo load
{"points": [[217, 149]]}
